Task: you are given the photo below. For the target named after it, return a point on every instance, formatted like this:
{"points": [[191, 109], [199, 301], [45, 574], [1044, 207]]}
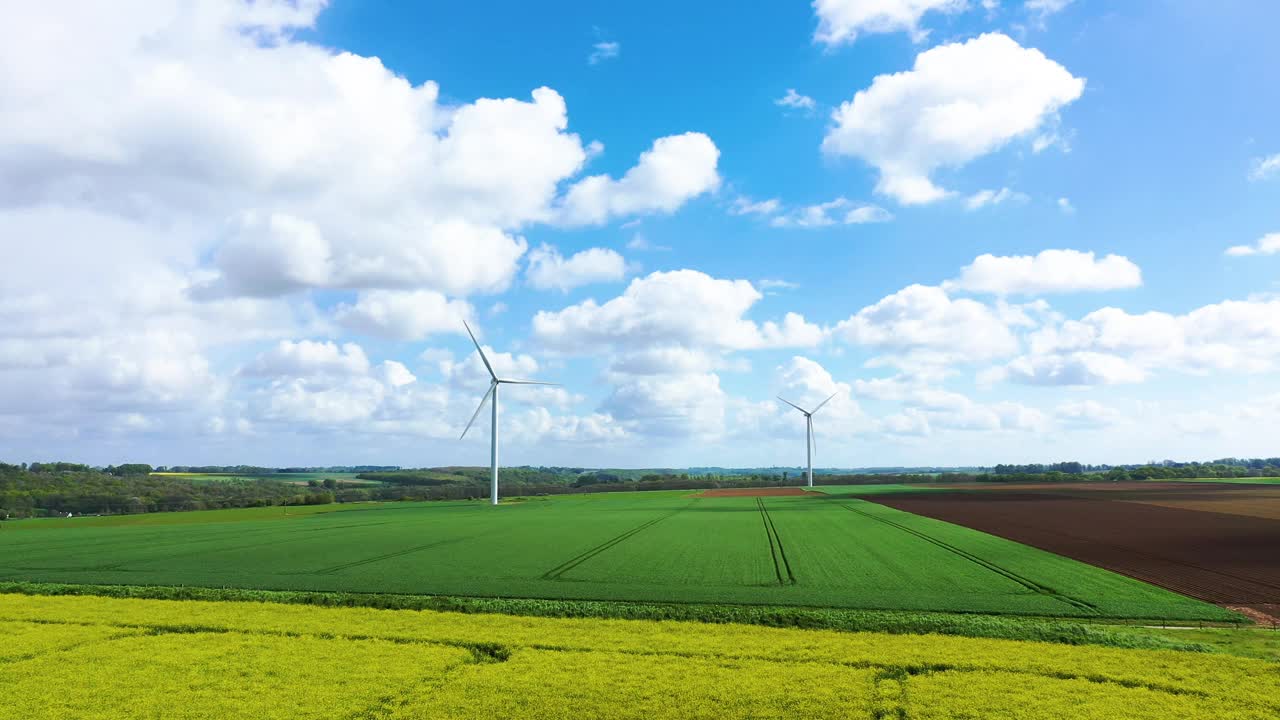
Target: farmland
{"points": [[823, 550], [107, 658], [1216, 543]]}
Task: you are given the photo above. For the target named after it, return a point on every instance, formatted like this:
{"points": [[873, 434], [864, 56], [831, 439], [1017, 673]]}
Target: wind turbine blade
{"points": [[813, 437], [479, 407], [824, 402], [528, 382], [806, 412], [492, 374]]}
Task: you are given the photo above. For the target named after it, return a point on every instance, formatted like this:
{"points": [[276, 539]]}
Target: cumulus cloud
{"points": [[959, 102], [309, 357], [927, 408], [676, 169], [1087, 414], [209, 169], [549, 270], [835, 212], [1111, 346], [1050, 271], [841, 21], [655, 311], [923, 324], [404, 315], [1268, 244]]}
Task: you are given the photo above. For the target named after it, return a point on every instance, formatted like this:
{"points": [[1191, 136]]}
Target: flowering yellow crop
{"points": [[97, 657]]}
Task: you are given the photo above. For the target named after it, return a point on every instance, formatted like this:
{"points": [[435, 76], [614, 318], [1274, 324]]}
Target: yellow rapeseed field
{"points": [[86, 657]]}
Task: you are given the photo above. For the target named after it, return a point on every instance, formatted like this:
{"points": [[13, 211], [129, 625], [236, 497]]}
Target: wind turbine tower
{"points": [[811, 444], [492, 393]]}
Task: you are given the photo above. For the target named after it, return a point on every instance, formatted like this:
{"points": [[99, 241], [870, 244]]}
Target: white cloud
{"points": [[404, 315], [1042, 9], [795, 101], [1268, 244], [309, 357], [642, 243], [841, 21], [1064, 204], [549, 270], [985, 198], [1087, 414], [746, 206], [1265, 167], [1111, 346], [839, 211], [690, 405], [1051, 271], [959, 102], [922, 324], [676, 169], [655, 311], [604, 50], [927, 408]]}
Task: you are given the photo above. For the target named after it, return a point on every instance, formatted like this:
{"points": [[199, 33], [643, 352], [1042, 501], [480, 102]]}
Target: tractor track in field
{"points": [[1026, 582], [387, 556], [776, 550], [558, 571]]}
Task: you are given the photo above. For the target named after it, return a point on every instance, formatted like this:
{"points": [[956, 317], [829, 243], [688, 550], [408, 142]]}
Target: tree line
{"points": [[45, 489]]}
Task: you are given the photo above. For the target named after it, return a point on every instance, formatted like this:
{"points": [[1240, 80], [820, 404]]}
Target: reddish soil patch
{"points": [[756, 492], [1221, 558]]}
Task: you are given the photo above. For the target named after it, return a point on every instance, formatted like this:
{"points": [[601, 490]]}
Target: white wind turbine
{"points": [[494, 382], [811, 443]]}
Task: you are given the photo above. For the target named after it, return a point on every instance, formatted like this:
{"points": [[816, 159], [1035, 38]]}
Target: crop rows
{"points": [[97, 657], [813, 551]]}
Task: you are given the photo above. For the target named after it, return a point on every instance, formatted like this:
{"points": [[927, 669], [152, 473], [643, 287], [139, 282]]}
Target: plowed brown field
{"points": [[1165, 534]]}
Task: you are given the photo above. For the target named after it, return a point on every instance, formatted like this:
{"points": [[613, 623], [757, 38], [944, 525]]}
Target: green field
{"points": [[89, 657], [1229, 481], [823, 551]]}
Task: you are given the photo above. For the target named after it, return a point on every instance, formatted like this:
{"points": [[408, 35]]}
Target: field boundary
{"points": [[1021, 580], [775, 546], [894, 622], [558, 571]]}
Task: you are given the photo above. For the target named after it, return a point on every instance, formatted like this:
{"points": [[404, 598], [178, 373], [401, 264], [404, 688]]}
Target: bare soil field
{"points": [[1227, 559], [756, 492], [1262, 501]]}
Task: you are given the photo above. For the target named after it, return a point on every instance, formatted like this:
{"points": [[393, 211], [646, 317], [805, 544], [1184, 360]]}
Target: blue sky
{"points": [[999, 231]]}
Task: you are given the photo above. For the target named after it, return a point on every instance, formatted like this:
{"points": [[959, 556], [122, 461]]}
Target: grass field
{"points": [[821, 551], [104, 658]]}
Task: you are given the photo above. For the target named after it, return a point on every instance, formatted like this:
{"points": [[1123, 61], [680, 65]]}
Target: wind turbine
{"points": [[811, 443], [494, 382]]}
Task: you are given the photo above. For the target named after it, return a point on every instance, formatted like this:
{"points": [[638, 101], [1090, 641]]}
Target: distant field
{"points": [[280, 477], [823, 550], [194, 517], [1230, 481], [88, 657]]}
